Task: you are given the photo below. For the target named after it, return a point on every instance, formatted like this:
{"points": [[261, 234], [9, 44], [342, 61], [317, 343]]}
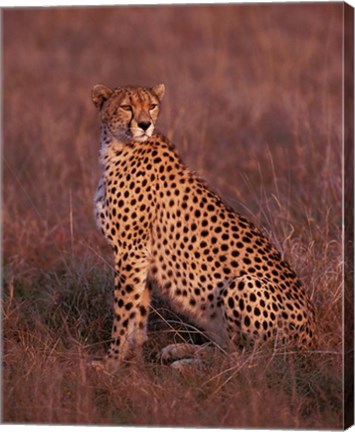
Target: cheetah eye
{"points": [[152, 106], [126, 107]]}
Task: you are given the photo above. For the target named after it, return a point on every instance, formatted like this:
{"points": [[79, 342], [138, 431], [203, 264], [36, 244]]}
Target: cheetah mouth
{"points": [[140, 136]]}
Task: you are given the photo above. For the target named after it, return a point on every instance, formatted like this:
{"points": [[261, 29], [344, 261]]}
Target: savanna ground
{"points": [[253, 103]]}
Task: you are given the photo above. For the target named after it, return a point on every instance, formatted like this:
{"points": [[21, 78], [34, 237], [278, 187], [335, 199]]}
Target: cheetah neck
{"points": [[109, 145]]}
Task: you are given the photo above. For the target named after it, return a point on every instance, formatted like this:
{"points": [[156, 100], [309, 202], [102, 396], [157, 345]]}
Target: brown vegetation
{"points": [[254, 105]]}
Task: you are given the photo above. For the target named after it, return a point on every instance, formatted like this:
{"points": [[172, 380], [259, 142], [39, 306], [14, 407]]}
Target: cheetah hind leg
{"points": [[183, 356], [258, 311]]}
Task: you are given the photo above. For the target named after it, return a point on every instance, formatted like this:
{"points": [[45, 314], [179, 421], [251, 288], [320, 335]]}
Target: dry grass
{"points": [[254, 104]]}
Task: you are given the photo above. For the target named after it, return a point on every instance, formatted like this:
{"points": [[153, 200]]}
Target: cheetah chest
{"points": [[124, 201]]}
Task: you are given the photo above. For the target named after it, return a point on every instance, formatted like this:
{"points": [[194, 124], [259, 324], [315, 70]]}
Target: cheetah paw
{"points": [[187, 365], [183, 351], [176, 352], [105, 365]]}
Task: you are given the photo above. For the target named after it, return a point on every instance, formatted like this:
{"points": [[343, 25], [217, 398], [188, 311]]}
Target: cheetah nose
{"points": [[144, 125]]}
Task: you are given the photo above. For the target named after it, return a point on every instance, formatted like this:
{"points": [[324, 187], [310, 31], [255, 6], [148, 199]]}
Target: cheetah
{"points": [[164, 223]]}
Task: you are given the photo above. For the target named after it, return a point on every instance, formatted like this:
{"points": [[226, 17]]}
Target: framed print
{"points": [[178, 215]]}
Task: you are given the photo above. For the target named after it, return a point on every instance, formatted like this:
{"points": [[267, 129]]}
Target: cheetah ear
{"points": [[100, 94], [159, 90]]}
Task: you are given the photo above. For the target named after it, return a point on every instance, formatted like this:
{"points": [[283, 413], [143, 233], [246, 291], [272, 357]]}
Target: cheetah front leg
{"points": [[131, 306]]}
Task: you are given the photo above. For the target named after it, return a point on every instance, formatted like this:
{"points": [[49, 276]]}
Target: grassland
{"points": [[253, 103]]}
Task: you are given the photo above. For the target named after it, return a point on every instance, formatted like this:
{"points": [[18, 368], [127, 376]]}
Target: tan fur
{"points": [[164, 222]]}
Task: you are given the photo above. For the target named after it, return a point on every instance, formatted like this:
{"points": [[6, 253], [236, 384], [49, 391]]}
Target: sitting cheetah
{"points": [[163, 222]]}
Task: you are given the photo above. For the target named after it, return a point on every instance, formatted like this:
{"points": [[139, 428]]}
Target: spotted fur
{"points": [[164, 222]]}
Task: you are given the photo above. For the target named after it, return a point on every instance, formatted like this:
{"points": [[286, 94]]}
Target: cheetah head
{"points": [[130, 112]]}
